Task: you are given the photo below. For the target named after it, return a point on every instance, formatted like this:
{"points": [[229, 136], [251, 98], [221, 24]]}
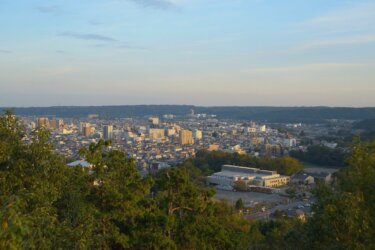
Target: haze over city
{"points": [[200, 52]]}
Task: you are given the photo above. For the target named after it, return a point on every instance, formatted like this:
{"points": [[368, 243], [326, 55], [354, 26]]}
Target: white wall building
{"points": [[251, 176], [198, 134]]}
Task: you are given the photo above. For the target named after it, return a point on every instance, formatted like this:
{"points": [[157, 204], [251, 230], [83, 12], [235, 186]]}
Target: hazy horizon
{"points": [[205, 106], [202, 52]]}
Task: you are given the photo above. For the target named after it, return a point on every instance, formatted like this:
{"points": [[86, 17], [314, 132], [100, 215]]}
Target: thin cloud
{"points": [[51, 9], [118, 46], [309, 67], [95, 23], [127, 46], [58, 71], [101, 45], [161, 4], [88, 36], [5, 51], [352, 17], [355, 40]]}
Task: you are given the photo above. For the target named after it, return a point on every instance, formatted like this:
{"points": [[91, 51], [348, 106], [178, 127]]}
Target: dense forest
{"points": [[365, 129], [366, 125], [267, 114], [322, 156], [45, 204]]}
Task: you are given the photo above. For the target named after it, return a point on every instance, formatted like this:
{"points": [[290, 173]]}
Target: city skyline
{"points": [[199, 52]]}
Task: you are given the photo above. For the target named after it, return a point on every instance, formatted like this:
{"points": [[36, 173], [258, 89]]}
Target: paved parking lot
{"points": [[249, 198]]}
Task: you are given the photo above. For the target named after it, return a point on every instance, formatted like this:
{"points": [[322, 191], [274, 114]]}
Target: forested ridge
{"points": [[321, 155], [267, 114], [45, 204]]}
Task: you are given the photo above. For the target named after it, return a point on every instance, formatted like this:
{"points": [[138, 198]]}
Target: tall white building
{"points": [[262, 128], [290, 142], [198, 134]]}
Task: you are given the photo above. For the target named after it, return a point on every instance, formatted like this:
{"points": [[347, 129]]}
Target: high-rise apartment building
{"points": [[60, 124], [43, 122], [186, 137], [53, 124], [108, 132], [198, 134], [85, 129], [156, 133]]}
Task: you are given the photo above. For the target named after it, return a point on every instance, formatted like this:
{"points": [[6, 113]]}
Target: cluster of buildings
{"points": [[168, 139], [146, 140]]}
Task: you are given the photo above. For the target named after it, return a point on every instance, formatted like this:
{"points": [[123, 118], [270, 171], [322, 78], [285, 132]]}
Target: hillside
{"points": [[268, 114]]}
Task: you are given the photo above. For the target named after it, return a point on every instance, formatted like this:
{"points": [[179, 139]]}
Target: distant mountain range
{"points": [[266, 114]]}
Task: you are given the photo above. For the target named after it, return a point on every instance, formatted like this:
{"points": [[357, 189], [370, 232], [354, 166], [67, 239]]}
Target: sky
{"points": [[200, 52]]}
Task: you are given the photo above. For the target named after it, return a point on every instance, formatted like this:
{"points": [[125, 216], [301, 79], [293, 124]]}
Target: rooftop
{"points": [[81, 163]]}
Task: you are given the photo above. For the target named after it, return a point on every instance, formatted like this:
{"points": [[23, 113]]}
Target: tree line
{"points": [[210, 162], [265, 114], [321, 155]]}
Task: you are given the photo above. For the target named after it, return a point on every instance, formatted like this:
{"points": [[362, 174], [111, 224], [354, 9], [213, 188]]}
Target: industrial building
{"points": [[230, 174]]}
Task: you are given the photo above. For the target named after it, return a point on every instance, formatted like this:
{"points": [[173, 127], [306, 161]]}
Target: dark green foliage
{"points": [[321, 155], [291, 191], [239, 204], [366, 131], [280, 233], [345, 214], [209, 162], [367, 136], [240, 186], [193, 220], [31, 177], [367, 125]]}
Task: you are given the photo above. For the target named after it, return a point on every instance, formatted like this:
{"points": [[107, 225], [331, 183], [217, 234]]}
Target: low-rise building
{"points": [[158, 165], [230, 174], [302, 178]]}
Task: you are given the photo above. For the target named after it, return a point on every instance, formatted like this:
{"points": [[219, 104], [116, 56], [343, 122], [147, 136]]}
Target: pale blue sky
{"points": [[202, 52]]}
